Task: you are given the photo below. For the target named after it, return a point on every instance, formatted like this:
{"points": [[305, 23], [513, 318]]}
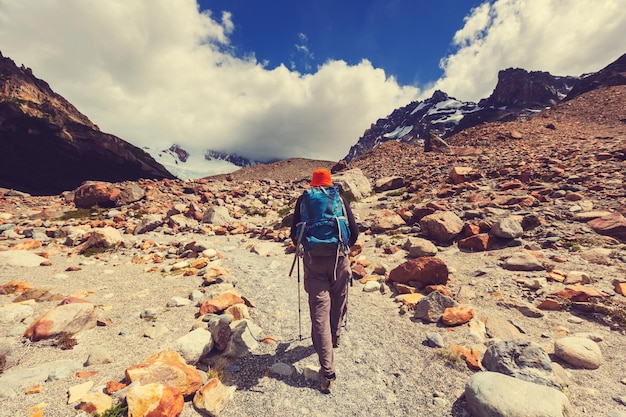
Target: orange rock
{"points": [[454, 316], [85, 374], [114, 386], [550, 304], [190, 272], [28, 245], [199, 263], [38, 413], [578, 293], [34, 389], [268, 340], [168, 368], [620, 288], [220, 303], [154, 399], [12, 287]]}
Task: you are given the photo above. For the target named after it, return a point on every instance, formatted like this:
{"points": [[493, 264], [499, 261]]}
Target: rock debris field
{"points": [[485, 285]]}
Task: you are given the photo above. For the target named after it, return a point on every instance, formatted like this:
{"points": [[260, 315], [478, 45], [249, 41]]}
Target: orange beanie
{"points": [[321, 178]]}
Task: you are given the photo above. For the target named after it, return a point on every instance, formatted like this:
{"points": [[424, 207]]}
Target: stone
{"points": [[409, 300], [95, 403], [577, 293], [213, 397], [217, 215], [426, 270], [442, 227], [219, 326], [220, 303], [508, 228], [523, 261], [461, 174], [167, 368], [418, 247], [76, 392], [578, 351], [194, 346], [148, 223], [431, 307], [101, 194], [498, 328], [130, 192], [66, 318], [434, 340], [154, 400], [520, 359], [371, 286], [353, 183], [244, 339], [613, 225], [388, 184], [489, 394], [455, 316], [600, 256], [14, 378], [238, 311], [477, 243], [105, 237], [20, 258]]}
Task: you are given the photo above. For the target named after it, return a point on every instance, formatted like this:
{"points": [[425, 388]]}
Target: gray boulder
{"points": [[491, 394]]}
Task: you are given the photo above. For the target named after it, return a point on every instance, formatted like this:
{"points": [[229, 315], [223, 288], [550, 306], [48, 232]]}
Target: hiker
{"points": [[326, 262]]}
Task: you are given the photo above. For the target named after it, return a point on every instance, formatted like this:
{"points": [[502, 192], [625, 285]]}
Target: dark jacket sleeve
{"points": [[354, 228], [296, 219]]}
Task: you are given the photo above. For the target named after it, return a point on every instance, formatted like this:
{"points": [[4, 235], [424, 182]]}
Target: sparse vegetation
{"points": [[84, 213], [396, 193], [65, 341], [285, 211], [255, 211], [451, 356], [217, 372], [94, 250]]}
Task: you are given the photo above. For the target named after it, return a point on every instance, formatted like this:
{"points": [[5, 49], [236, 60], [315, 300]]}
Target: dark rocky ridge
{"points": [[518, 94], [48, 146]]}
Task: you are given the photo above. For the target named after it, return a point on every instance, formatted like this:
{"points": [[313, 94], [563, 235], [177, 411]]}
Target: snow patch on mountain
{"points": [[190, 165]]}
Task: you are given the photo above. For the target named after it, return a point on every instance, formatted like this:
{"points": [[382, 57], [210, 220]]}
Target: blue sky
{"points": [[407, 38], [280, 79]]}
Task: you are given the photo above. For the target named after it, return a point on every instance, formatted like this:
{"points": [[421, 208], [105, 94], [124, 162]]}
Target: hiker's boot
{"points": [[327, 383], [336, 341]]}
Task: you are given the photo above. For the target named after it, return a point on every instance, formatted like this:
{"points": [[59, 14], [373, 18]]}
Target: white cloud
{"points": [[157, 72], [563, 37]]}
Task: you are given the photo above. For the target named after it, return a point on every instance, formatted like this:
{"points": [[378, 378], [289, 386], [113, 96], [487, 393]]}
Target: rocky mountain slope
{"points": [[48, 146], [518, 94], [491, 275]]}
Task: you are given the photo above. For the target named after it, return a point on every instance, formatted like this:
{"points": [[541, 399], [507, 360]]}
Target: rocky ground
{"points": [[525, 221]]}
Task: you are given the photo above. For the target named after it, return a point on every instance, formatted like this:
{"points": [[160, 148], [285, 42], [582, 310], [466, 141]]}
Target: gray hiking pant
{"points": [[326, 282]]}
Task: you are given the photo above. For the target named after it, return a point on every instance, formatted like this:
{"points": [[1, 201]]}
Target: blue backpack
{"points": [[323, 229]]}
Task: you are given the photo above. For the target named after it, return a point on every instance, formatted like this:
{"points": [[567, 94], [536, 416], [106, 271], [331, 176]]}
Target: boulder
{"points": [[426, 271], [213, 397], [521, 359], [353, 184], [578, 351], [492, 394], [167, 368], [441, 226], [67, 318], [431, 307], [101, 194], [154, 400]]}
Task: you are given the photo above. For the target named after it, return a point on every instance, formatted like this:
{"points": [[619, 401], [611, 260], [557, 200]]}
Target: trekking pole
{"points": [[296, 260], [299, 309]]}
